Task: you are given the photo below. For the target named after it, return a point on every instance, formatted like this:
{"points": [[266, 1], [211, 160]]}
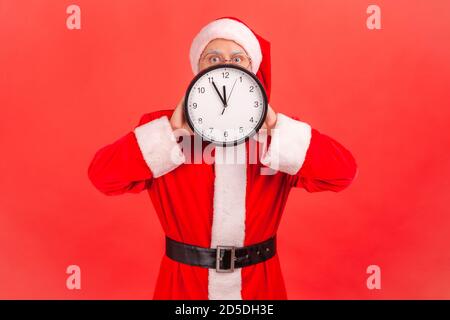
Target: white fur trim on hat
{"points": [[226, 29]]}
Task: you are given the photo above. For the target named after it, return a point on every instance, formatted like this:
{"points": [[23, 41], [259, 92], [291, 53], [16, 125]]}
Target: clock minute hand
{"points": [[220, 96]]}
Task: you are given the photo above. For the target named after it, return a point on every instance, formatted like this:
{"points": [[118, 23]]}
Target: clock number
{"points": [[210, 79], [201, 90], [200, 120], [251, 88], [225, 74], [251, 119], [240, 78], [194, 105], [225, 133], [211, 130], [256, 104], [241, 129]]}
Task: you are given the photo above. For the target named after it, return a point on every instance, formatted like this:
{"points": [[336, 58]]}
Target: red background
{"points": [[384, 94]]}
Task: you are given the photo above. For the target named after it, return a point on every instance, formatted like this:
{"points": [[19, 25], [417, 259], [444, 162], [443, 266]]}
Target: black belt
{"points": [[222, 258]]}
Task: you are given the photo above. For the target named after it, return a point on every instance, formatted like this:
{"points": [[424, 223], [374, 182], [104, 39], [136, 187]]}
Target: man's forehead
{"points": [[219, 51]]}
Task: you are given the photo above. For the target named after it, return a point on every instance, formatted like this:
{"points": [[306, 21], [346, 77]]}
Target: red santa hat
{"points": [[231, 28]]}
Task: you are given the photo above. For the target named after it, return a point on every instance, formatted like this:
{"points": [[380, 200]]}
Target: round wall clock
{"points": [[225, 104]]}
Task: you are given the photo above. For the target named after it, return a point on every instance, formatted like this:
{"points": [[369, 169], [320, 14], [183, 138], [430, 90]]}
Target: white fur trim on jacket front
{"points": [[226, 29], [228, 226], [289, 144], [159, 147]]}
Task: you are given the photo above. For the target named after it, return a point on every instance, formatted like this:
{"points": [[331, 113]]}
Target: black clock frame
{"points": [[225, 66]]}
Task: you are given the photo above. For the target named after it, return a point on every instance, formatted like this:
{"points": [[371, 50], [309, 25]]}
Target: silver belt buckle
{"points": [[233, 254]]}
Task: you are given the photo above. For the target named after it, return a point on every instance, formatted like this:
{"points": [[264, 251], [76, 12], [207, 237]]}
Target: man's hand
{"points": [[178, 121], [271, 120]]}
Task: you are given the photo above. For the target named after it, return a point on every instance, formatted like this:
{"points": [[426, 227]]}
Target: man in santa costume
{"points": [[220, 219]]}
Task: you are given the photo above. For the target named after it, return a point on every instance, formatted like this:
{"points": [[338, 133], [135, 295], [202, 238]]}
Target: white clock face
{"points": [[225, 104]]}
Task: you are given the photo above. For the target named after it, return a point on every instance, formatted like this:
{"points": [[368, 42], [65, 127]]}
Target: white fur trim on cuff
{"points": [[289, 143], [226, 29], [159, 146]]}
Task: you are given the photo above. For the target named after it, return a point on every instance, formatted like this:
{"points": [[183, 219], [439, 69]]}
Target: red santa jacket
{"points": [[221, 203]]}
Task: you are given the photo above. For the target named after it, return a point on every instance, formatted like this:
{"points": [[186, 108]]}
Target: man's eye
{"points": [[237, 59], [214, 59]]}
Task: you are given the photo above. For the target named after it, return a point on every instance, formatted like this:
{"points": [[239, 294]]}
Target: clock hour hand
{"points": [[220, 96], [225, 97], [225, 94]]}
